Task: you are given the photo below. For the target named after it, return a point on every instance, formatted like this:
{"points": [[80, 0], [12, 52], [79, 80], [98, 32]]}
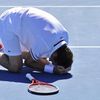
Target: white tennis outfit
{"points": [[40, 32]]}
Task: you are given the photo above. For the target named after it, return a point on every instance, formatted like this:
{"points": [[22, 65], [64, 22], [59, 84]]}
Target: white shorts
{"points": [[11, 44]]}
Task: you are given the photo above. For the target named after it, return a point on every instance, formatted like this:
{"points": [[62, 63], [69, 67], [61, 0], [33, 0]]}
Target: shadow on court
{"points": [[20, 77]]}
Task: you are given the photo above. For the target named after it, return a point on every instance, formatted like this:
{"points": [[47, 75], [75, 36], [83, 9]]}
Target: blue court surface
{"points": [[83, 81]]}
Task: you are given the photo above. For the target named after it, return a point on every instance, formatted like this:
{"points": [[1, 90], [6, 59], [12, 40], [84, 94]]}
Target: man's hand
{"points": [[61, 70]]}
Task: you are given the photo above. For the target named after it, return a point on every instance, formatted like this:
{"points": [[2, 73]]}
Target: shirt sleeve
{"points": [[34, 55], [66, 37]]}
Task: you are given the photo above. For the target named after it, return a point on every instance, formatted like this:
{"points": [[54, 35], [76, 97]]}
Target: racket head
{"points": [[43, 89]]}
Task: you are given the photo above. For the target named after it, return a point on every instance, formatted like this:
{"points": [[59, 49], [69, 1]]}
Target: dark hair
{"points": [[64, 56]]}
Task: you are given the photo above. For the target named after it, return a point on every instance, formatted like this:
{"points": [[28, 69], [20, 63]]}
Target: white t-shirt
{"points": [[40, 32]]}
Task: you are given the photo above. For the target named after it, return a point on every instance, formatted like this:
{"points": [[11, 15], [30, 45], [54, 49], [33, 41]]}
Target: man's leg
{"points": [[12, 63], [11, 58], [4, 60]]}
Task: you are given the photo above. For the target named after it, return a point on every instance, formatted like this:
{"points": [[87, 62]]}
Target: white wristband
{"points": [[49, 68]]}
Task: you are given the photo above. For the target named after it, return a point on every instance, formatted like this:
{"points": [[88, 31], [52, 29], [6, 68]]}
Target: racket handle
{"points": [[29, 76]]}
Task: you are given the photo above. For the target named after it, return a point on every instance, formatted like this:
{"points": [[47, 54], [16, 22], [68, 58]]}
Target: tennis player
{"points": [[44, 38]]}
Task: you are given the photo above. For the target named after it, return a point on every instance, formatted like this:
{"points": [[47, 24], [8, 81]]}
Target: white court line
{"points": [[85, 47], [81, 47], [54, 6]]}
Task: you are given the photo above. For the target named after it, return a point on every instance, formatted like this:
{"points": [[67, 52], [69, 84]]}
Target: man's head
{"points": [[63, 57]]}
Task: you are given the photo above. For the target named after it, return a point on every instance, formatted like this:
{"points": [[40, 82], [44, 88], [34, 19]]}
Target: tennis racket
{"points": [[41, 88]]}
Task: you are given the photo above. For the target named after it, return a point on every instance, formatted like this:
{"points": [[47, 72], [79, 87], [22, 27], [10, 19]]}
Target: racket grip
{"points": [[29, 76]]}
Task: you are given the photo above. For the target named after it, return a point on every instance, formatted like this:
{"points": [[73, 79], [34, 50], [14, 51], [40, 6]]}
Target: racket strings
{"points": [[39, 87]]}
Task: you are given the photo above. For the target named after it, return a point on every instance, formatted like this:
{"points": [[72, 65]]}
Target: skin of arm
{"points": [[14, 63], [40, 64]]}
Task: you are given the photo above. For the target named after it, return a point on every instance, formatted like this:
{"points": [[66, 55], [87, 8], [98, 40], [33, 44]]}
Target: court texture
{"points": [[49, 2], [83, 81]]}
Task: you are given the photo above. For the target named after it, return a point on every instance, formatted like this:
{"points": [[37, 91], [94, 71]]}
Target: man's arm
{"points": [[35, 65], [40, 64]]}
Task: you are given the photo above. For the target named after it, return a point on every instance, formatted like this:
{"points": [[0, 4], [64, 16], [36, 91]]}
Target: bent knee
{"points": [[15, 68]]}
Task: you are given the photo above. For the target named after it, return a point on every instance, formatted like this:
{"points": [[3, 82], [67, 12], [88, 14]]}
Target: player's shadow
{"points": [[51, 77], [20, 77]]}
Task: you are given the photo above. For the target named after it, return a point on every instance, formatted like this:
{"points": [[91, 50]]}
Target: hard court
{"points": [[82, 20]]}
